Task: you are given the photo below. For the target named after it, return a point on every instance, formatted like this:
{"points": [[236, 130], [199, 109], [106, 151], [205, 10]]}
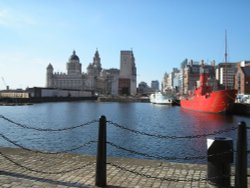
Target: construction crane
{"points": [[7, 87]]}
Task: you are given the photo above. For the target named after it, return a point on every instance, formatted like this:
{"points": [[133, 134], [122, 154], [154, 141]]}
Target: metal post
{"points": [[241, 157], [101, 157]]}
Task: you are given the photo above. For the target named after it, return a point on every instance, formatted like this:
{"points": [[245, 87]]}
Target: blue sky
{"points": [[162, 33]]}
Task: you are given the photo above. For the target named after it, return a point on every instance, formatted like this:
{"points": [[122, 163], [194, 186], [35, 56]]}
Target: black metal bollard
{"points": [[220, 157], [241, 157], [101, 171]]}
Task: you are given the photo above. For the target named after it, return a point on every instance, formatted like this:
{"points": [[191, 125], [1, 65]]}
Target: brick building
{"points": [[242, 78]]}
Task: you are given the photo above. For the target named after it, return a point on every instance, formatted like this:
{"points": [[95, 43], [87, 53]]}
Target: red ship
{"points": [[205, 99]]}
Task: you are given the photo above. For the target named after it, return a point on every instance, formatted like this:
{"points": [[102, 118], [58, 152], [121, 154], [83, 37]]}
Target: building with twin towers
{"points": [[98, 80]]}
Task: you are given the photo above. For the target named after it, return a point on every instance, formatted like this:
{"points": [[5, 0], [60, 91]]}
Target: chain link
{"points": [[162, 178], [172, 137], [48, 129], [201, 157], [117, 147], [167, 179], [45, 152], [40, 171]]}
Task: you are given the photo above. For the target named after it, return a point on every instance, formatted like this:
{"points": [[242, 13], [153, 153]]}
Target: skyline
{"points": [[160, 33]]}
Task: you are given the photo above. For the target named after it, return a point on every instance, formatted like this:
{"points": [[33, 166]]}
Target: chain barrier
{"points": [[172, 137], [163, 178], [41, 171], [48, 129], [123, 168], [45, 152], [122, 127], [202, 157]]}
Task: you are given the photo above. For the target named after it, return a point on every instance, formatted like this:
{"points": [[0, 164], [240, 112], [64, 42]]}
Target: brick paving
{"points": [[37, 170]]}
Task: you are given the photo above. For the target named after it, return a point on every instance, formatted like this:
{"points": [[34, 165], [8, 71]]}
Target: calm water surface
{"points": [[146, 117]]}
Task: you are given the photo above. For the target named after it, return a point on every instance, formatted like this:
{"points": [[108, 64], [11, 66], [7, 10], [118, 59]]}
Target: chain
{"points": [[172, 137], [202, 157], [158, 178], [167, 179], [43, 172], [52, 130], [45, 152]]}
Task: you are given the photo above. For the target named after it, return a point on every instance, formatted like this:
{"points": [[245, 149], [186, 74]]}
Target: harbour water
{"points": [[143, 117]]}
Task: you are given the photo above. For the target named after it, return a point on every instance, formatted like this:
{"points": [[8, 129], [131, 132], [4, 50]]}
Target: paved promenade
{"points": [[23, 169]]}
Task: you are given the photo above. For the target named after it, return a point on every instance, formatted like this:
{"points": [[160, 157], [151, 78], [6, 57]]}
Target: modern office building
{"points": [[225, 74], [127, 77], [155, 85]]}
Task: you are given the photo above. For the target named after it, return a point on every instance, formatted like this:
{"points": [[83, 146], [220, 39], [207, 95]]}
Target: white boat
{"points": [[159, 98], [245, 99]]}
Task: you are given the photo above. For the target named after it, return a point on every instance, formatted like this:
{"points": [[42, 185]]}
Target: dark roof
{"points": [[74, 56], [96, 53], [50, 66]]}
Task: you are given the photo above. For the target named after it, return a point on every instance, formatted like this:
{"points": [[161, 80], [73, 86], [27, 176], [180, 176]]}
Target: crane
{"points": [[5, 83]]}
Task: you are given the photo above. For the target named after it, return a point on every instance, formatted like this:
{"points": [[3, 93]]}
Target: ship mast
{"points": [[225, 59]]}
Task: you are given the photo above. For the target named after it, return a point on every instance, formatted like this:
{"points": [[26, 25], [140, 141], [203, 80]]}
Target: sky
{"points": [[161, 33]]}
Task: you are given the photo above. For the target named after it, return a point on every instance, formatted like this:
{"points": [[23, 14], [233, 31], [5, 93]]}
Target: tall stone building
{"points": [[93, 72], [73, 79], [96, 79], [127, 78]]}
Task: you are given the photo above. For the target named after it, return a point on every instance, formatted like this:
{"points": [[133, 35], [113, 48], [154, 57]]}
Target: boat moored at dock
{"points": [[205, 99], [159, 98]]}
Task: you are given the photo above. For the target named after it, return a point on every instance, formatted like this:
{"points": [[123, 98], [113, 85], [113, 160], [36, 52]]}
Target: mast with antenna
{"points": [[225, 59]]}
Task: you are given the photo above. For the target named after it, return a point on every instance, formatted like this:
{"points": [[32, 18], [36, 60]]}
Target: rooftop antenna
{"points": [[225, 59]]}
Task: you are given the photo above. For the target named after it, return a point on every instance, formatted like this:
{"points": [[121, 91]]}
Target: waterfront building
{"points": [[171, 81], [127, 77], [93, 73], [225, 74], [73, 79], [190, 73], [97, 80], [14, 93], [111, 77], [144, 89], [166, 82], [181, 86], [40, 92], [177, 81], [242, 78], [155, 85]]}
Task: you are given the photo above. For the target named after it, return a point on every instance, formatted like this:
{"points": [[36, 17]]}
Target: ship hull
{"points": [[215, 102]]}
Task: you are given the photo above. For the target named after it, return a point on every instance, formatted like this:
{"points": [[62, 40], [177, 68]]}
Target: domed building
{"points": [[73, 79], [97, 79]]}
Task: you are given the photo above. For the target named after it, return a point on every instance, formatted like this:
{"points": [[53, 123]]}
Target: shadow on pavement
{"points": [[45, 180]]}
